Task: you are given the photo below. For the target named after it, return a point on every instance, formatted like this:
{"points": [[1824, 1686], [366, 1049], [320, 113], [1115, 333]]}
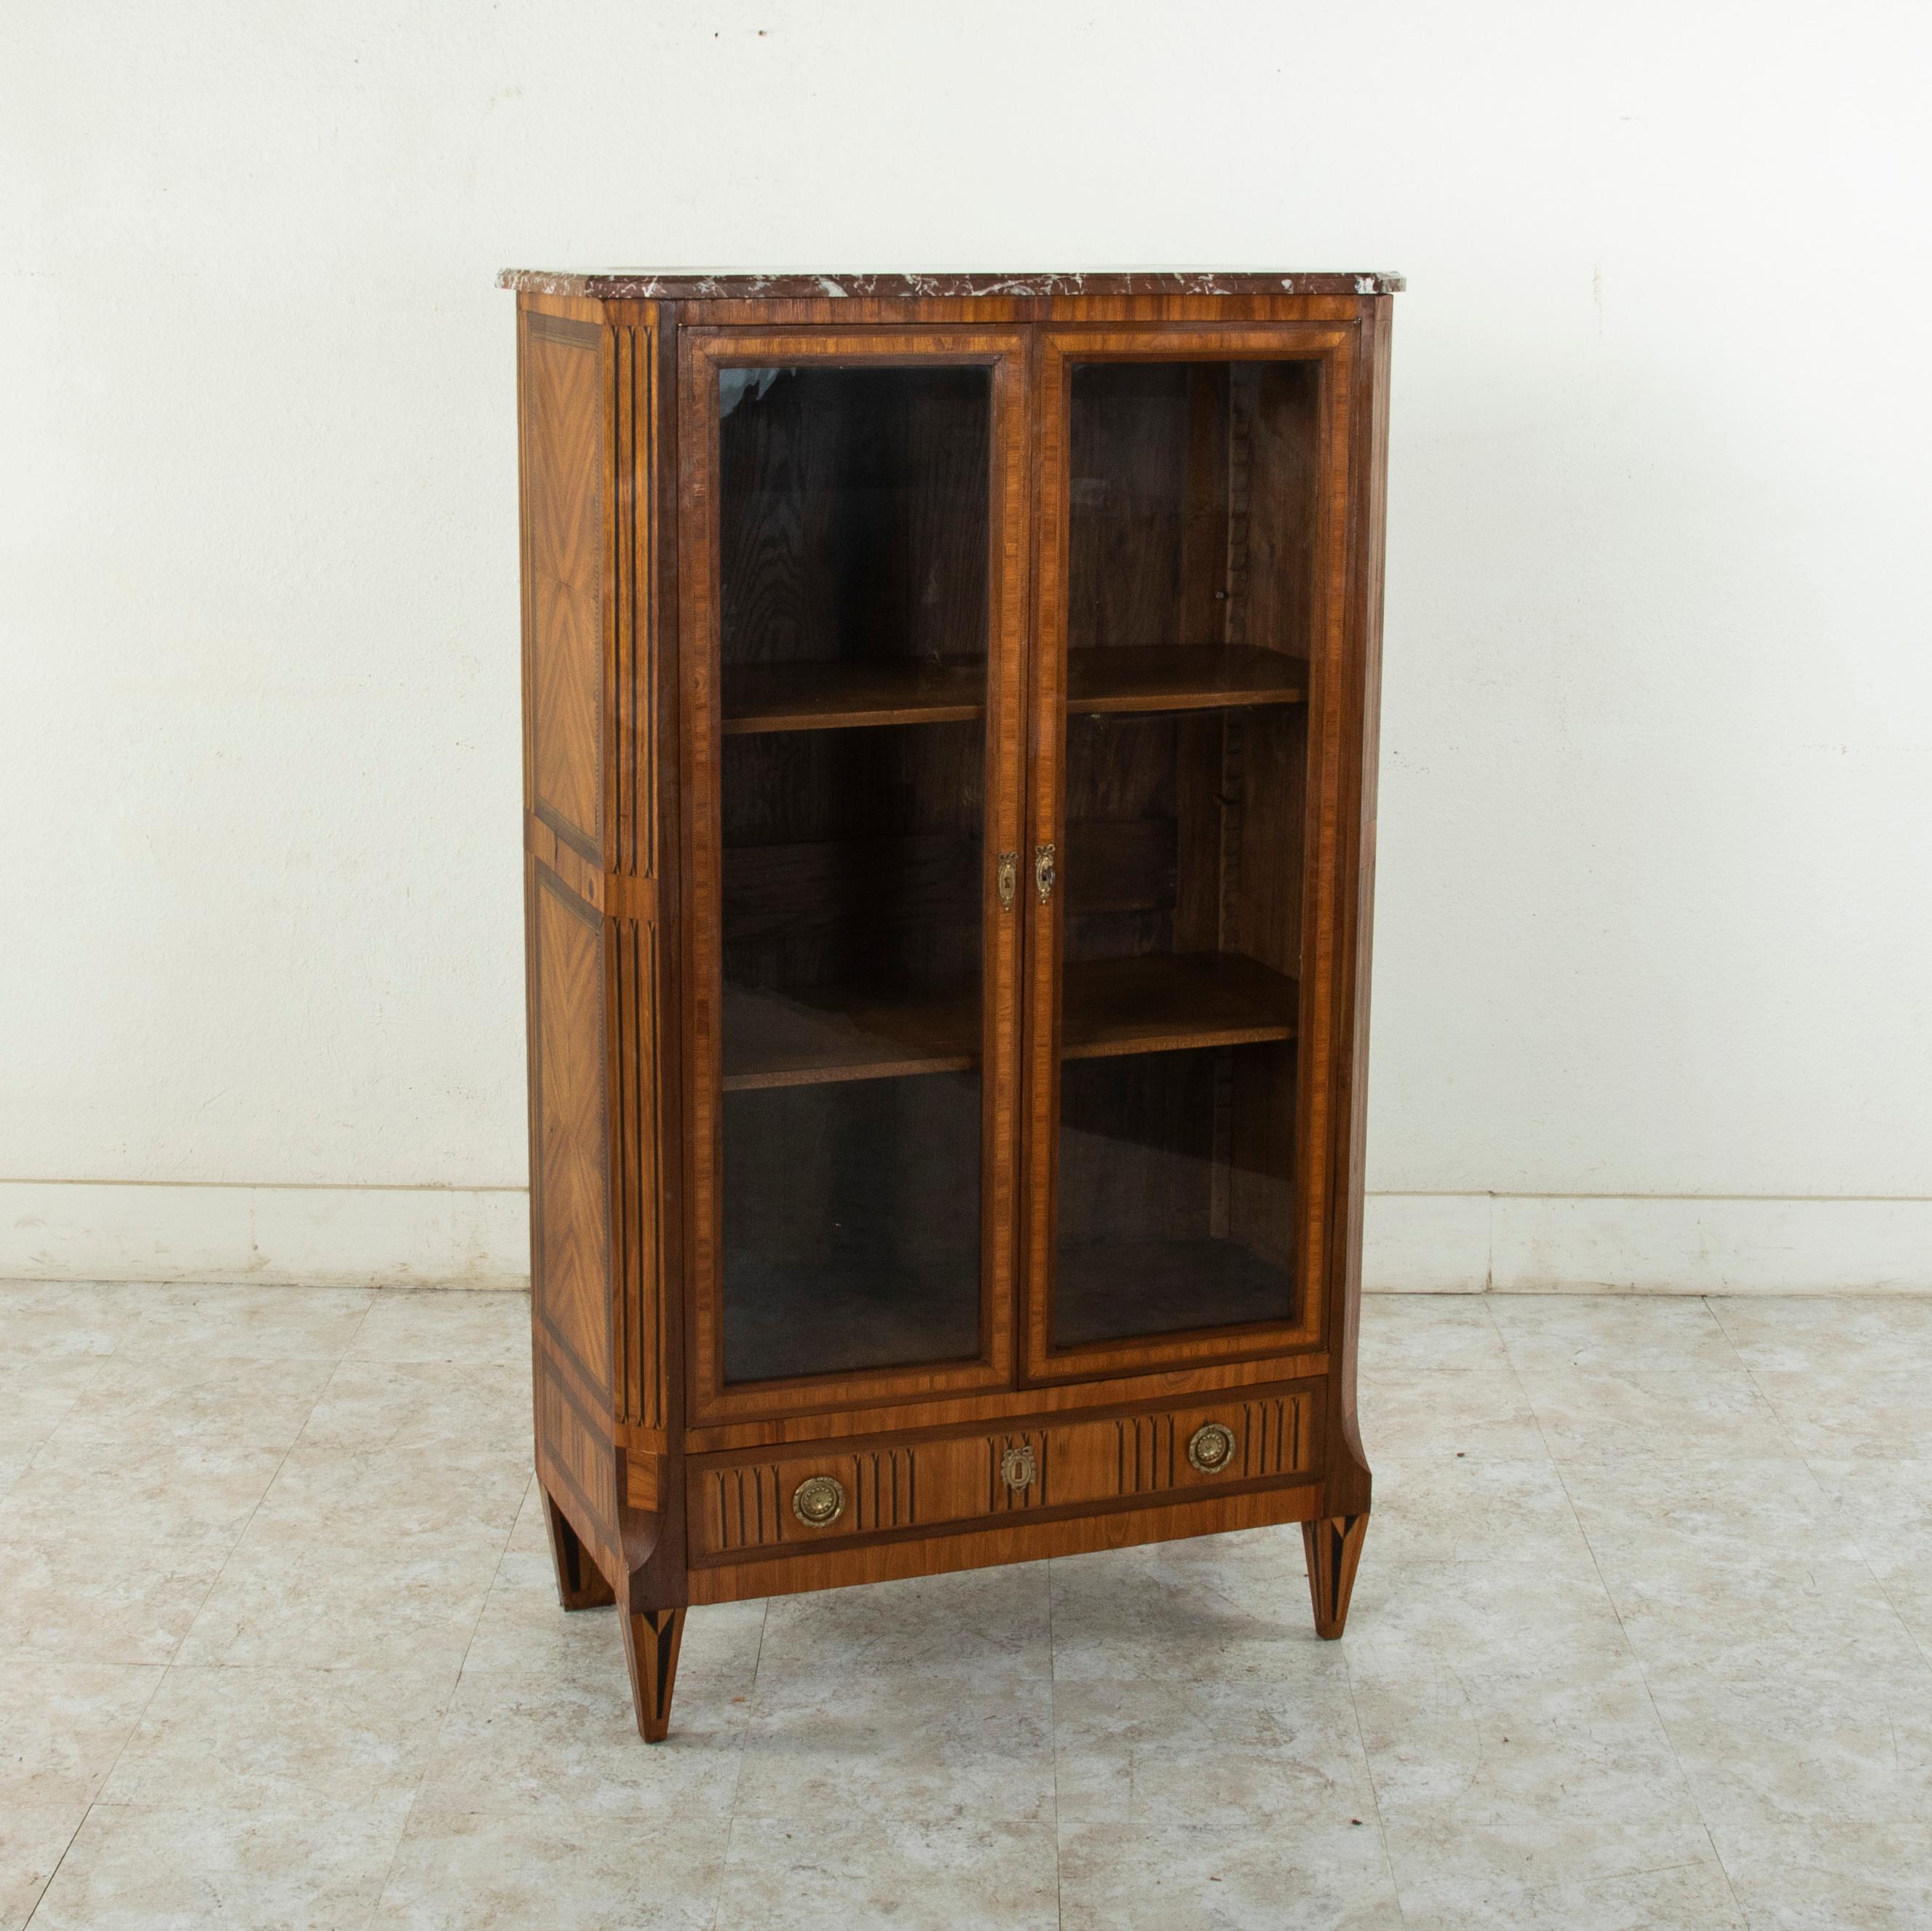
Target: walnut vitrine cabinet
{"points": [[949, 710]]}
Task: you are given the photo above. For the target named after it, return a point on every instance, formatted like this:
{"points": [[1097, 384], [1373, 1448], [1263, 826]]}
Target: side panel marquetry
{"points": [[738, 1504], [570, 1199], [575, 1458], [592, 831], [564, 503], [590, 398]]}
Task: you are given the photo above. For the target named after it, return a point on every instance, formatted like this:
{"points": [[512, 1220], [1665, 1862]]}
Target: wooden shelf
{"points": [[842, 695], [1182, 677], [1118, 1290], [1172, 1004], [864, 1307], [811, 1035]]}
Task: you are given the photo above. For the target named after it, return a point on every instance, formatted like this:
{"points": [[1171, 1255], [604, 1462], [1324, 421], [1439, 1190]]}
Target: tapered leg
{"points": [[580, 1582], [1334, 1546], [651, 1640]]}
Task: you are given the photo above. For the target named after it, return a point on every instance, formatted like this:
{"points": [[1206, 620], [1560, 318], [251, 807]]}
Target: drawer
{"points": [[763, 1500]]}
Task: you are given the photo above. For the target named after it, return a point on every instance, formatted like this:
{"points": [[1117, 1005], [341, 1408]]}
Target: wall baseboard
{"points": [[1415, 1243], [323, 1237], [1645, 1243]]}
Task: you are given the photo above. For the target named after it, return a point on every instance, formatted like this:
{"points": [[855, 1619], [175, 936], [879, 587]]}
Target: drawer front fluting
{"points": [[805, 1497]]}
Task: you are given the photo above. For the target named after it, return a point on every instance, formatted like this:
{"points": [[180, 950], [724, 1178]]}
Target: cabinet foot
{"points": [[580, 1582], [1334, 1547], [651, 1640]]}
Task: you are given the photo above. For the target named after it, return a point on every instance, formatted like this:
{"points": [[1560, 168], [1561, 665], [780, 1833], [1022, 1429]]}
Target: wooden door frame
{"points": [[702, 352], [1323, 1048]]}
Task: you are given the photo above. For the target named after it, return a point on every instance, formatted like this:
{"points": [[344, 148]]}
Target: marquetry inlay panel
{"points": [[569, 1194], [563, 508], [573, 1445]]}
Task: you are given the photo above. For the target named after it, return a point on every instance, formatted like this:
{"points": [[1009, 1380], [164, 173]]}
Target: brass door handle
{"points": [[1043, 873], [1009, 879]]}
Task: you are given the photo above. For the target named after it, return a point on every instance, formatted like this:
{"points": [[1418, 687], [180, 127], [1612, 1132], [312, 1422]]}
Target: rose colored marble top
{"points": [[715, 285]]}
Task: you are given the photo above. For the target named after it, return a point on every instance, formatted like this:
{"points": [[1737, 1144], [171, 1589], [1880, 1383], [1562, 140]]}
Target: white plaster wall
{"points": [[1655, 915]]}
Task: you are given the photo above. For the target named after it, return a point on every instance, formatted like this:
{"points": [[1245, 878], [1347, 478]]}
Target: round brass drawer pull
{"points": [[1018, 1468], [818, 1501], [1211, 1447]]}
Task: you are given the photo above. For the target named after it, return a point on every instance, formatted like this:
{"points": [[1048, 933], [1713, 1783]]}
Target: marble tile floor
{"points": [[1642, 1638]]}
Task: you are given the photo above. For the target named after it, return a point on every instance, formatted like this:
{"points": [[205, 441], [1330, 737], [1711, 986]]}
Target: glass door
{"points": [[853, 621], [1186, 589]]}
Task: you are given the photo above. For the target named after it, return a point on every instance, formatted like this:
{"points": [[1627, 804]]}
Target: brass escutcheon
{"points": [[1211, 1447], [1009, 876], [1043, 874], [818, 1501], [1018, 1468]]}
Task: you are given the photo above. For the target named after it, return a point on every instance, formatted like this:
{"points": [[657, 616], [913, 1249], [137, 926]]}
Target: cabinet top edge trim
{"points": [[706, 285]]}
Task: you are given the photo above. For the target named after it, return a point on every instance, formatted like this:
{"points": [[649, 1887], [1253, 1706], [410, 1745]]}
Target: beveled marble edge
{"points": [[704, 285]]}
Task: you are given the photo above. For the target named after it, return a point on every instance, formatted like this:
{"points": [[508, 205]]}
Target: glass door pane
{"points": [[854, 506], [1189, 545]]}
